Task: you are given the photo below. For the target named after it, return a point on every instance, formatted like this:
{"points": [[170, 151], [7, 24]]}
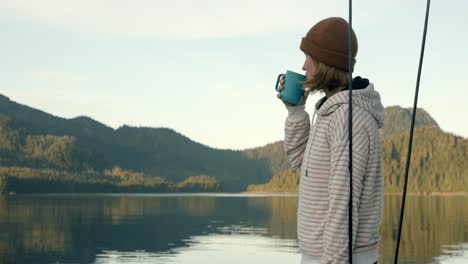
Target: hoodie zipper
{"points": [[311, 143]]}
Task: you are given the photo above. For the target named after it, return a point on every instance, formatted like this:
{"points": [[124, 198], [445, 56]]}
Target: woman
{"points": [[321, 152]]}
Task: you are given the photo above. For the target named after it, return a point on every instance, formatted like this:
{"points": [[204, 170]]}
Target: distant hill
{"points": [[273, 153], [34, 139], [40, 152], [438, 162], [398, 120]]}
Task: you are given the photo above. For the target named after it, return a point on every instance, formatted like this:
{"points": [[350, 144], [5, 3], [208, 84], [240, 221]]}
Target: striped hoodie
{"points": [[321, 152]]}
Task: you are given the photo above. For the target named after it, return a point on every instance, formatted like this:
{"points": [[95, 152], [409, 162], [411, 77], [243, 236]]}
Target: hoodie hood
{"points": [[364, 96]]}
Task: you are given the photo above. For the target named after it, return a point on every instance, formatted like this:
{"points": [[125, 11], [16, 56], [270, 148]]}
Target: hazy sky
{"points": [[207, 68]]}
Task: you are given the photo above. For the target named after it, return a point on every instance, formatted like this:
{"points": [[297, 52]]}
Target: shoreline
{"points": [[219, 194], [429, 193], [388, 193]]}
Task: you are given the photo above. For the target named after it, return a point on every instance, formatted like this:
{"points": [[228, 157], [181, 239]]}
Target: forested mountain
{"points": [[438, 161], [33, 139], [40, 152]]}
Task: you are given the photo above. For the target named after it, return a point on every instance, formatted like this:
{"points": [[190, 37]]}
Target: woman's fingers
{"points": [[281, 86]]}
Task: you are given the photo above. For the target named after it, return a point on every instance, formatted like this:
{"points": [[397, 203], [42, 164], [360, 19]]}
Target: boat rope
{"points": [[413, 118], [350, 134]]}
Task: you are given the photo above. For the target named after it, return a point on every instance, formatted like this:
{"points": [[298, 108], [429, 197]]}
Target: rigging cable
{"points": [[408, 158], [350, 135]]}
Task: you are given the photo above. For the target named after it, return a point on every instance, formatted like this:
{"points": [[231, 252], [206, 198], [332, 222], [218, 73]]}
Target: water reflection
{"points": [[185, 229], [430, 223], [453, 254], [215, 248]]}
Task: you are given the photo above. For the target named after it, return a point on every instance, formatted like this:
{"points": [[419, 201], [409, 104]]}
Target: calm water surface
{"points": [[196, 229]]}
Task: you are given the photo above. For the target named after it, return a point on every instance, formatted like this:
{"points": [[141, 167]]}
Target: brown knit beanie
{"points": [[327, 42]]}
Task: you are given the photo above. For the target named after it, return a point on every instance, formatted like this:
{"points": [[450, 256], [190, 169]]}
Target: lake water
{"points": [[204, 229]]}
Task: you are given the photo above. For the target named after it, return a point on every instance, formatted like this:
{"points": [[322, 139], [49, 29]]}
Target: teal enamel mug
{"points": [[293, 90]]}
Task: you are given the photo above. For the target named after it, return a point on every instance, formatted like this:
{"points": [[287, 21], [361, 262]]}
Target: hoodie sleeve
{"points": [[296, 130], [336, 225]]}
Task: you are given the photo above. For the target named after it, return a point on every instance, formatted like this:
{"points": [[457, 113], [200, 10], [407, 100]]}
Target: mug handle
{"points": [[277, 82]]}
